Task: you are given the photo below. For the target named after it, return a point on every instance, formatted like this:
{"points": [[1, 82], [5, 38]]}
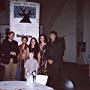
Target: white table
{"points": [[21, 85]]}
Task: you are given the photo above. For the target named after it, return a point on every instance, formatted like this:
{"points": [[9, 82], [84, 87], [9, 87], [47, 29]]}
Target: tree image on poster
{"points": [[24, 19], [25, 13]]}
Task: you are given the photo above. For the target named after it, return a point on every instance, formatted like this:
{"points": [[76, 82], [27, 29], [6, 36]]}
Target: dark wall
{"points": [[87, 25], [60, 16], [4, 12]]}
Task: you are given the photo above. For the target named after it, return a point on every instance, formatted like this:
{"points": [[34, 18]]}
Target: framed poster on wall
{"points": [[24, 19]]}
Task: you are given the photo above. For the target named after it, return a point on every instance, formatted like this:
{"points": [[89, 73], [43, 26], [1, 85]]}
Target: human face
{"points": [[11, 36], [31, 55], [24, 41], [52, 37], [42, 39], [33, 42]]}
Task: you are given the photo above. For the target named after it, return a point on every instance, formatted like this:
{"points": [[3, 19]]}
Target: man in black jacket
{"points": [[55, 51], [9, 56]]}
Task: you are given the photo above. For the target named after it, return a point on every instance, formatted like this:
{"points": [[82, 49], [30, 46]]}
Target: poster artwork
{"points": [[25, 13], [24, 19]]}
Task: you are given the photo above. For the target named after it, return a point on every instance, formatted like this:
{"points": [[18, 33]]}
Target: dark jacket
{"points": [[6, 48], [55, 51]]}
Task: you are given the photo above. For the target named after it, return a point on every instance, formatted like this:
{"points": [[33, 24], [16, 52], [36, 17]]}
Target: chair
{"points": [[41, 79]]}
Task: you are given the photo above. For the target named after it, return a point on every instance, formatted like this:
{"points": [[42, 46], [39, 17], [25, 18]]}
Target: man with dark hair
{"points": [[55, 33], [55, 59], [9, 56]]}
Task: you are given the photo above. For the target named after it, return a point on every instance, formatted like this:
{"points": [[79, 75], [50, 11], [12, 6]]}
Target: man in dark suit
{"points": [[9, 56], [54, 56]]}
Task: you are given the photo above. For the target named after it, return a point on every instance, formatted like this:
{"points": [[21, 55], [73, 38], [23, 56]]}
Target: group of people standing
{"points": [[49, 56]]}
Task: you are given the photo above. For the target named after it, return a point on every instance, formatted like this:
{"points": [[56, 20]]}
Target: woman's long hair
{"points": [[36, 48], [36, 43], [45, 38]]}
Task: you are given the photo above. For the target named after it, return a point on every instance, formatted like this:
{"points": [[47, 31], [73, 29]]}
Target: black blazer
{"points": [[55, 51], [6, 48]]}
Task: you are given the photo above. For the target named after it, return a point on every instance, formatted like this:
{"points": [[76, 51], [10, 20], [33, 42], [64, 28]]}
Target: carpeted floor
{"points": [[78, 74]]}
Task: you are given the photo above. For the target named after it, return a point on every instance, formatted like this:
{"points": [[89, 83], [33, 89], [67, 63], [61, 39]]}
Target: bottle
{"points": [[34, 76], [27, 78]]}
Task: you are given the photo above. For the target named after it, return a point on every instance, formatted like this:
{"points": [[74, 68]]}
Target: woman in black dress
{"points": [[42, 58]]}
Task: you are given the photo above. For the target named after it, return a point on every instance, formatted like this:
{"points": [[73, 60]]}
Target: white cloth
{"points": [[21, 85], [41, 79], [31, 65]]}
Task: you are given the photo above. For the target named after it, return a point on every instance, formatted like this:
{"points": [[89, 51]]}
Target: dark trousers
{"points": [[54, 75], [2, 72]]}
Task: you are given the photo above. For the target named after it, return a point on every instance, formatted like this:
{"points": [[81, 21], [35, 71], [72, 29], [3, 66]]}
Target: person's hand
{"points": [[2, 63], [50, 61], [13, 53]]}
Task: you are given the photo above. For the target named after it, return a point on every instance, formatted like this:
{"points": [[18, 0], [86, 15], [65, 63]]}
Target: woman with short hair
{"points": [[23, 55]]}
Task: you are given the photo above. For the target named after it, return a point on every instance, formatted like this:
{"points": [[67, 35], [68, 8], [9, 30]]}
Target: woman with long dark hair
{"points": [[34, 47], [42, 58]]}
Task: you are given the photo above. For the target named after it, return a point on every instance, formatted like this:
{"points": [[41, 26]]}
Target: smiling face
{"points": [[31, 55], [52, 37], [11, 36], [24, 40], [33, 42], [42, 39]]}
